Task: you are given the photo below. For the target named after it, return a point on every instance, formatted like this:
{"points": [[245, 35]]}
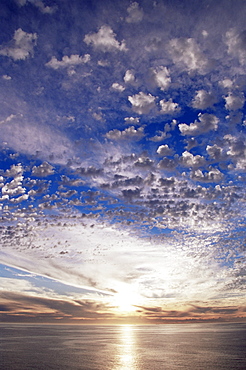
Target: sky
{"points": [[123, 159]]}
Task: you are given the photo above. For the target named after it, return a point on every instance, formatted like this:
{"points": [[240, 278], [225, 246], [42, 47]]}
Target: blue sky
{"points": [[123, 158]]}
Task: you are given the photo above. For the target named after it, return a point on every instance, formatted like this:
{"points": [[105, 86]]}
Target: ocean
{"points": [[123, 347]]}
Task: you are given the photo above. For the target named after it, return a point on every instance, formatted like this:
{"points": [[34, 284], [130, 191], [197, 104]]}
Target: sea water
{"points": [[123, 347]]}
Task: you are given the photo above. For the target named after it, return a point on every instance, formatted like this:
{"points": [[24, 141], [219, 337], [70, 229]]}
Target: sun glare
{"points": [[125, 300]]}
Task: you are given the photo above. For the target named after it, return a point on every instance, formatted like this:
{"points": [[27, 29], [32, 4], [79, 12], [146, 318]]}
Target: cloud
{"points": [[214, 175], [142, 103], [15, 170], [51, 309], [129, 133], [206, 123], [67, 61], [104, 40], [132, 120], [169, 107], [21, 47], [226, 83], [167, 164], [37, 139], [164, 150], [6, 77], [235, 149], [161, 77], [129, 77], [117, 87], [203, 100], [10, 118], [161, 135], [234, 102], [187, 52], [45, 9], [135, 13], [215, 152], [236, 44], [45, 169], [189, 160]]}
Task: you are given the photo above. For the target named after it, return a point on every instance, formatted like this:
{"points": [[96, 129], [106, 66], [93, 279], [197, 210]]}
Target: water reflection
{"points": [[127, 349]]}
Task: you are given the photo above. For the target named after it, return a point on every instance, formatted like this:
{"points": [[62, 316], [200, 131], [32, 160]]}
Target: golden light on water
{"points": [[127, 349]]}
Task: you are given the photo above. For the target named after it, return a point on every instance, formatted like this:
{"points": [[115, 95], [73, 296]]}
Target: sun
{"points": [[126, 300]]}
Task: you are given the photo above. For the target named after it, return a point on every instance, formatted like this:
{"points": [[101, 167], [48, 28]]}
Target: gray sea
{"points": [[123, 347]]}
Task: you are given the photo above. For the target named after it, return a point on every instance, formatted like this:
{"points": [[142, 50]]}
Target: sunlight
{"points": [[127, 355], [126, 299]]}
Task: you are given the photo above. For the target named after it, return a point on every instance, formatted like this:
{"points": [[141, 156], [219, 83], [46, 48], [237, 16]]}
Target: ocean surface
{"points": [[126, 347]]}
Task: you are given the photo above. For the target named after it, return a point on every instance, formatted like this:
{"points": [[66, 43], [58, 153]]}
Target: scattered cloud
{"points": [[203, 100], [129, 133], [206, 123], [236, 44], [187, 52], [142, 103], [105, 40], [45, 169], [161, 77], [67, 61], [169, 107], [234, 102], [135, 13], [21, 47]]}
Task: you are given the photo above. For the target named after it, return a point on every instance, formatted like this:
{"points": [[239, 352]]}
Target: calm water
{"points": [[65, 347]]}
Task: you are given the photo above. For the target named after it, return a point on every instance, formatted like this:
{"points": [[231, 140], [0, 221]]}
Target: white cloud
{"points": [[45, 9], [129, 77], [235, 117], [191, 143], [129, 133], [132, 120], [164, 150], [215, 151], [142, 103], [234, 102], [135, 13], [226, 83], [214, 175], [236, 44], [203, 100], [236, 148], [103, 63], [161, 135], [189, 160], [67, 61], [167, 163], [19, 199], [10, 118], [98, 116], [45, 169], [169, 107], [161, 77], [21, 47], [6, 77], [206, 123], [186, 51], [105, 40], [15, 170], [117, 87], [14, 187]]}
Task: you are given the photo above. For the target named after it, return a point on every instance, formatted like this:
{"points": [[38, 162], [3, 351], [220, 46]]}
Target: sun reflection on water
{"points": [[127, 349]]}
